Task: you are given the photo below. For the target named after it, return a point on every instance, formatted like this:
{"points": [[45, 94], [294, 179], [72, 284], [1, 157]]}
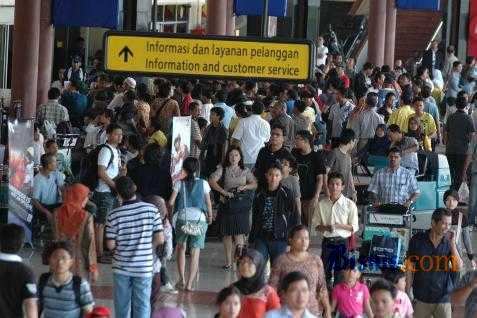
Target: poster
{"points": [[20, 187], [181, 127]]}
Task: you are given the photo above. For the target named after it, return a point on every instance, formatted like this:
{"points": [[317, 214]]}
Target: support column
{"points": [[389, 46], [376, 31], [230, 27], [45, 57], [25, 54], [217, 17]]}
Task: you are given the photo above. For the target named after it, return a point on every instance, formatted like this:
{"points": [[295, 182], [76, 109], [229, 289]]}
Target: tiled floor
{"points": [[201, 302]]}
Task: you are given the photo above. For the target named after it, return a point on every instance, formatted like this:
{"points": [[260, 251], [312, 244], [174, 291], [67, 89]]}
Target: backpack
{"points": [[44, 280], [89, 176]]}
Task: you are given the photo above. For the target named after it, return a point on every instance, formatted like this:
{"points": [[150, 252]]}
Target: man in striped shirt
{"points": [[133, 231]]}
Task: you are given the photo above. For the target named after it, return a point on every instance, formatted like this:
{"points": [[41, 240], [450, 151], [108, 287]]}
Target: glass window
{"points": [[170, 13]]}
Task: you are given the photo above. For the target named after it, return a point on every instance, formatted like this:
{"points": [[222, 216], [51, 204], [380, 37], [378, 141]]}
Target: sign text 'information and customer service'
{"points": [[216, 57]]}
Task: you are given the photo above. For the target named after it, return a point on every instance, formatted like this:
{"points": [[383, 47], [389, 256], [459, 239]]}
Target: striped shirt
{"points": [[132, 226], [60, 301], [393, 186]]}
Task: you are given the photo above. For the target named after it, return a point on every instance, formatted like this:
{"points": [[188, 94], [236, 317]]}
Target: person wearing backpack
{"points": [[60, 293], [101, 179]]}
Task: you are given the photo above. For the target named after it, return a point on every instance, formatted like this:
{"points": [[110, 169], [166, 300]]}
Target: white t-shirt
{"points": [[112, 170], [192, 214], [252, 132], [321, 50], [205, 111]]}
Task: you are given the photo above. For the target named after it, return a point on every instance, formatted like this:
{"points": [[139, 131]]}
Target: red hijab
{"points": [[70, 214]]}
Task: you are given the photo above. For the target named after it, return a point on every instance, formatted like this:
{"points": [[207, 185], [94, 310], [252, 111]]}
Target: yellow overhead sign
{"points": [[216, 57]]}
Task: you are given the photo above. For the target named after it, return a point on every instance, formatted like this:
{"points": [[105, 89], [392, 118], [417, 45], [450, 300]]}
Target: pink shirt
{"points": [[350, 301], [403, 305]]}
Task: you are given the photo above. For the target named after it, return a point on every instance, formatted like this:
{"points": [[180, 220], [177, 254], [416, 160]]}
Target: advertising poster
{"points": [[180, 144], [20, 187]]}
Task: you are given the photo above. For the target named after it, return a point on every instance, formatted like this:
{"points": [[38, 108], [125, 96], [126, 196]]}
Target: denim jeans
{"points": [[132, 294], [473, 199], [270, 248]]}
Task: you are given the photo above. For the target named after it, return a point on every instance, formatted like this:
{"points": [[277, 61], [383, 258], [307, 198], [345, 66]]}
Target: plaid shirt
{"points": [[393, 186], [53, 111]]}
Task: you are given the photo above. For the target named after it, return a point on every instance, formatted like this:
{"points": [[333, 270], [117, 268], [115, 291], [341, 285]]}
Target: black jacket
{"points": [[360, 86], [285, 214], [427, 61]]}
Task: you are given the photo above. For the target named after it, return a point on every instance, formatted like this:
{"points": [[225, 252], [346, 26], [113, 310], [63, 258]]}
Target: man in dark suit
{"points": [[432, 58], [362, 81]]}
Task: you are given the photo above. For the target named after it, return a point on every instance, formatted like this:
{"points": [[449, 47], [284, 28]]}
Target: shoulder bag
{"points": [[192, 228]]}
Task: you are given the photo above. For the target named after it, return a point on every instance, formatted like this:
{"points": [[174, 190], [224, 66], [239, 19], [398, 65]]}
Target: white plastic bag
{"points": [[464, 193]]}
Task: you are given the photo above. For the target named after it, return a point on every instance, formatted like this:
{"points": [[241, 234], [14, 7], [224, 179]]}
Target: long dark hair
{"points": [[227, 161], [191, 167]]}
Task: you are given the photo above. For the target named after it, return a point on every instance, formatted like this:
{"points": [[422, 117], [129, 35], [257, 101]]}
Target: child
{"points": [[451, 200], [415, 130], [350, 298], [229, 303], [163, 252], [169, 311], [60, 293], [383, 296], [402, 304], [290, 179]]}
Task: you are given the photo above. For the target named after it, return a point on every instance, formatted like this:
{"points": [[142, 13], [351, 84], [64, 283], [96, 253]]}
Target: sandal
{"points": [[180, 286]]}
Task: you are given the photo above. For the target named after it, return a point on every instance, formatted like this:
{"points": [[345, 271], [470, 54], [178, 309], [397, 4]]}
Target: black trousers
{"points": [[456, 167], [334, 255]]}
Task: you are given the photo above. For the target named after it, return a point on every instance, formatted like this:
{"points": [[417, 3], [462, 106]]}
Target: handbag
{"points": [[192, 228], [240, 202]]}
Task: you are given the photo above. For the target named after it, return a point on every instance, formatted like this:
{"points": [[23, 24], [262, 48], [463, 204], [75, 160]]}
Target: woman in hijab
{"points": [[73, 223], [257, 296]]}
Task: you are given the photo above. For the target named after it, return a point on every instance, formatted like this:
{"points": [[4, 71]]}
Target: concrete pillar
{"points": [[376, 31], [45, 56], [217, 17], [230, 26], [25, 54], [390, 41]]}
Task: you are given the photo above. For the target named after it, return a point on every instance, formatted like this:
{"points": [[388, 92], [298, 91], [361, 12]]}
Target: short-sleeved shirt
{"points": [[341, 162], [350, 301], [471, 301], [46, 189], [393, 186], [228, 113], [18, 283], [403, 304], [459, 128], [252, 132], [432, 282], [60, 301], [400, 117], [132, 226], [431, 108], [309, 167], [338, 116], [112, 170], [232, 179]]}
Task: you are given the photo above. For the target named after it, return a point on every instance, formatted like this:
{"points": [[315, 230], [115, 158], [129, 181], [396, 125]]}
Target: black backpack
{"points": [[44, 280], [89, 176]]}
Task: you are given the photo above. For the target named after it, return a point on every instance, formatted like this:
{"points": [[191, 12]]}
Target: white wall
{"points": [[7, 10]]}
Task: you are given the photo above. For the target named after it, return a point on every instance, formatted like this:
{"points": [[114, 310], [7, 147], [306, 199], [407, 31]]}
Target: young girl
{"points": [[60, 293], [383, 296], [402, 304], [290, 179], [451, 200], [415, 130], [350, 298], [228, 301]]}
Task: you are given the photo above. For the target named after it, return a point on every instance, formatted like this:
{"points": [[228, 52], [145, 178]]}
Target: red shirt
{"points": [[256, 305], [345, 80], [185, 111], [350, 301]]}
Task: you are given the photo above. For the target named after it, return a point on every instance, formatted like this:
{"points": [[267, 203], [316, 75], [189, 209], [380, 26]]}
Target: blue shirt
{"points": [[284, 312], [431, 108], [75, 102], [229, 112], [46, 189]]}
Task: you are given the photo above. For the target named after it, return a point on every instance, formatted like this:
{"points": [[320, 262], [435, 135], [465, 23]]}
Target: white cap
{"points": [[131, 82]]}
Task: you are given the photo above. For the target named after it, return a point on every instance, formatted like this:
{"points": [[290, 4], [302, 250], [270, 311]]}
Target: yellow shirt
{"points": [[343, 211], [401, 116]]}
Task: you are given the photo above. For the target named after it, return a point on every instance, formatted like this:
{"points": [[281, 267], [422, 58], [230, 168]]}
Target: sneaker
{"points": [[168, 288]]}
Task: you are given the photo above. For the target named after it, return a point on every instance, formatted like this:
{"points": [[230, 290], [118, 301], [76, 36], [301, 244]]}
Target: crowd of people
{"points": [[267, 166]]}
